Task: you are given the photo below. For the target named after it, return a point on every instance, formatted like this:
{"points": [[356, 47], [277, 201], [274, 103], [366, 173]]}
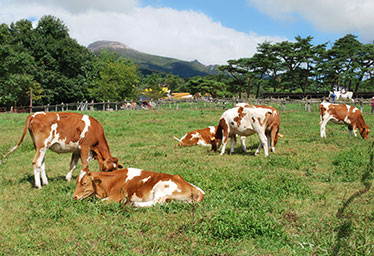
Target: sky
{"points": [[210, 31]]}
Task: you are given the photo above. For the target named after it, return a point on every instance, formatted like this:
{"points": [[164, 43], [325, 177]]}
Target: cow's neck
{"points": [[103, 150], [110, 181]]}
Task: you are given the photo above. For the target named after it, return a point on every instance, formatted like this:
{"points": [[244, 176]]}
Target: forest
{"points": [[44, 61]]}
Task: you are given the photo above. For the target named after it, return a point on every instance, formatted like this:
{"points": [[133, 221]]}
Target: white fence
{"points": [[281, 104]]}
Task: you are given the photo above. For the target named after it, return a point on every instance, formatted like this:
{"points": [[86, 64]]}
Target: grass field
{"points": [[312, 197]]}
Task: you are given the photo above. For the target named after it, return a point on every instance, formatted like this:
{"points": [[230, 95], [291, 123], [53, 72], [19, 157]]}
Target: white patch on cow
{"points": [[198, 189], [195, 135], [212, 129], [81, 175], [87, 123], [135, 198], [202, 143], [58, 117], [38, 113], [146, 179], [132, 172], [163, 189], [53, 135]]}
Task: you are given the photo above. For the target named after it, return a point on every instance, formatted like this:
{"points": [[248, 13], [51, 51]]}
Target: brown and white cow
{"points": [[343, 114], [272, 127], [243, 121], [202, 137], [64, 132], [141, 188]]}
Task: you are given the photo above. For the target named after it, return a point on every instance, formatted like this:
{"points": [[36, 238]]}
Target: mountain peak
{"points": [[99, 45], [149, 63]]}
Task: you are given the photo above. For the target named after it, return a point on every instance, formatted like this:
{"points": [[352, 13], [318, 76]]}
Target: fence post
{"points": [[56, 108], [361, 107], [176, 107], [283, 105], [170, 105], [62, 106], [308, 105]]}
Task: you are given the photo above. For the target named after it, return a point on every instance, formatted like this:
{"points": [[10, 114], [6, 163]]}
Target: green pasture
{"points": [[312, 197]]}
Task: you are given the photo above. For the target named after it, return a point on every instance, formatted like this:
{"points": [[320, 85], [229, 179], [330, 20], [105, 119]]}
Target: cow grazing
{"points": [[141, 188], [243, 121], [272, 127], [343, 114], [63, 132]]}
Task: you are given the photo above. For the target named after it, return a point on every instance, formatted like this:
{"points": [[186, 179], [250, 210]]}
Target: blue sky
{"points": [[207, 30]]}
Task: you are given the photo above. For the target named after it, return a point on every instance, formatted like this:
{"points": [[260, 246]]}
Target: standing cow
{"points": [[343, 114], [141, 188], [243, 121], [272, 127], [63, 132]]}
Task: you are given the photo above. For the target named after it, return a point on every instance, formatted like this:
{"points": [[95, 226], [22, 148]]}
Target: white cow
{"points": [[243, 121], [344, 95]]}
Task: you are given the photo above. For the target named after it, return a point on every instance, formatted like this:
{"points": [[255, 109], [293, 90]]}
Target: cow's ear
{"points": [[97, 181]]}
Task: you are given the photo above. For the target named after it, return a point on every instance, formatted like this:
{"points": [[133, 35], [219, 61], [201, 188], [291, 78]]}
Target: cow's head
{"points": [[189, 139], [365, 132], [110, 164], [86, 185]]}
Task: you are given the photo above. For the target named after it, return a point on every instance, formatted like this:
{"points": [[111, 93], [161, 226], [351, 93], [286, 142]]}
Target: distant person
{"points": [[372, 105], [333, 96]]}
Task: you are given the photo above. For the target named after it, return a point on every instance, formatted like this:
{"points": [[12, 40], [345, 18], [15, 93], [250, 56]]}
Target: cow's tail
{"points": [[20, 141]]}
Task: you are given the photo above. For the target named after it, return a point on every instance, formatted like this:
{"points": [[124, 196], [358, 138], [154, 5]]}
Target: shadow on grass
{"points": [[344, 230], [29, 178]]}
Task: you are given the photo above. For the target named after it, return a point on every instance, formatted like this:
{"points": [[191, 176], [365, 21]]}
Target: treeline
{"points": [[45, 61]]}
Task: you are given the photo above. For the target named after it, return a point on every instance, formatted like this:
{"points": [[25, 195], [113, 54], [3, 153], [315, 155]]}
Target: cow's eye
{"points": [[84, 183]]}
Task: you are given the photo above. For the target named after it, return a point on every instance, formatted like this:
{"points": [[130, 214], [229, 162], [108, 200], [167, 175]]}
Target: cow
{"points": [[139, 187], [347, 95], [343, 114], [64, 132], [272, 127], [243, 121], [202, 137]]}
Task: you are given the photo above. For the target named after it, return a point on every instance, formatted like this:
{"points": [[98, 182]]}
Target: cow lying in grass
{"points": [[141, 188]]}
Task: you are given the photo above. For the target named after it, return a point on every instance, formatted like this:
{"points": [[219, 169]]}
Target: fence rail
{"points": [[279, 103]]}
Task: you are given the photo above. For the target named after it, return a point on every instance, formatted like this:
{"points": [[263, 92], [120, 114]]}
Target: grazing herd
{"points": [[84, 137]]}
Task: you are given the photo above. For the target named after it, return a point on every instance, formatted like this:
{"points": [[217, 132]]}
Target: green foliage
{"points": [[116, 80]]}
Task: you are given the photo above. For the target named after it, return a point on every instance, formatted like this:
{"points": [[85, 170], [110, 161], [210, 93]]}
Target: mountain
{"points": [[149, 63]]}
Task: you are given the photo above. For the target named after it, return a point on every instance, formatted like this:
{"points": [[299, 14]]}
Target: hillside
{"points": [[149, 63]]}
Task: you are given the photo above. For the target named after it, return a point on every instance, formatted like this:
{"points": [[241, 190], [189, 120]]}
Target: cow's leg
{"points": [[233, 142], [144, 204], [224, 142], [264, 142], [273, 135], [258, 148], [37, 163], [73, 165], [323, 127], [44, 175], [242, 140], [85, 156], [354, 129]]}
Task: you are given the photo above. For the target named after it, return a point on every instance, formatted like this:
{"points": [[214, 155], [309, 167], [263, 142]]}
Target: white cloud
{"points": [[339, 16], [186, 35]]}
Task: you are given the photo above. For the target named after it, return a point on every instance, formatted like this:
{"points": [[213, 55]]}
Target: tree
{"points": [[235, 69], [117, 78]]}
